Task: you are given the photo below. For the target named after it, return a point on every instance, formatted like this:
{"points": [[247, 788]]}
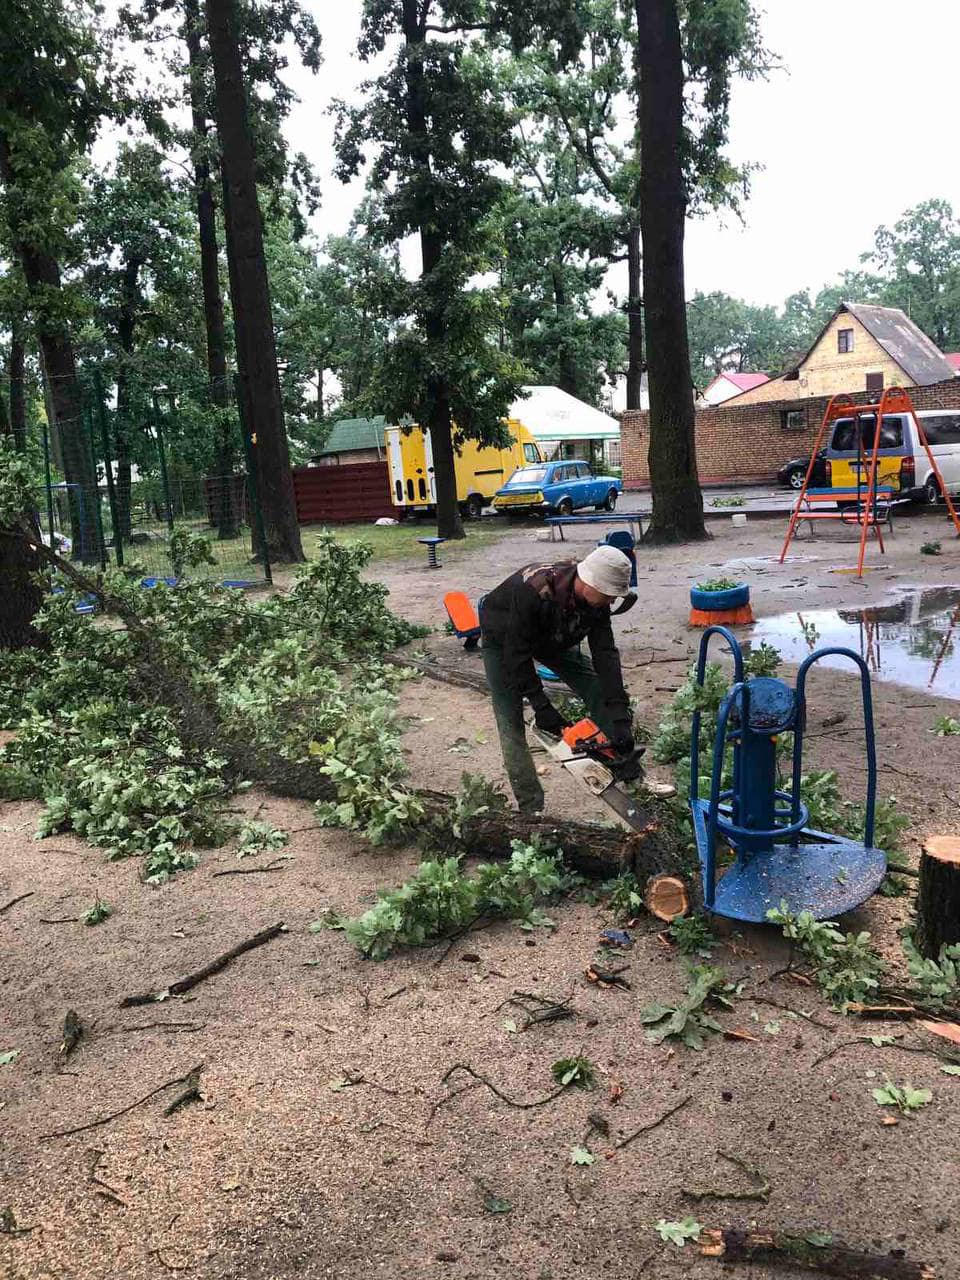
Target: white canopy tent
{"points": [[559, 422]]}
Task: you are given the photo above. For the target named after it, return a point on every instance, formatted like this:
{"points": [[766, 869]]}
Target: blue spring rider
{"points": [[777, 856]]}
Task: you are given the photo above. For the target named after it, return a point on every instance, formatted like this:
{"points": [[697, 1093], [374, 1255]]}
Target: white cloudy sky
{"points": [[859, 125]]}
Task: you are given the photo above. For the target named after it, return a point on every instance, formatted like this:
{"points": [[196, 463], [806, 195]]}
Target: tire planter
{"points": [[730, 607]]}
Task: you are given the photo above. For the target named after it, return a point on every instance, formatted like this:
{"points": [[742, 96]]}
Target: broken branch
{"points": [[735, 1244], [190, 1094], [193, 979], [72, 1031], [654, 1124], [512, 1102], [115, 1115], [13, 901]]}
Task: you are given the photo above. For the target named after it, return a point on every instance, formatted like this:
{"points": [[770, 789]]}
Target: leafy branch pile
{"points": [[849, 970], [441, 901], [135, 727]]}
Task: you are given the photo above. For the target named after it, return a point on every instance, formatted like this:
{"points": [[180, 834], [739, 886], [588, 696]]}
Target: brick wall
{"points": [[748, 442]]}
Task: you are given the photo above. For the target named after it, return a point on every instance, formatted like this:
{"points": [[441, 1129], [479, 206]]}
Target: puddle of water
{"points": [[912, 639]]}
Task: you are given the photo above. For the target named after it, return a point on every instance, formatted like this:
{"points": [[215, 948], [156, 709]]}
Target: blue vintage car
{"points": [[556, 488]]}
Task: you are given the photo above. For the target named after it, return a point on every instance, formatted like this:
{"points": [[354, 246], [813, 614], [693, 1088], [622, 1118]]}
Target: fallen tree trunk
{"points": [[596, 851], [783, 1248]]}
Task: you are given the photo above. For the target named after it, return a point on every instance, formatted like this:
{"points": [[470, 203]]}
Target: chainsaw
{"points": [[584, 750]]}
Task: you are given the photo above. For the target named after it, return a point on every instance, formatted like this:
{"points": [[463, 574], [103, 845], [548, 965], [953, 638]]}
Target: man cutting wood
{"points": [[541, 613]]}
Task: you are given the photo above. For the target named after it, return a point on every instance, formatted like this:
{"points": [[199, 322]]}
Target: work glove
{"points": [[622, 737], [549, 720]]}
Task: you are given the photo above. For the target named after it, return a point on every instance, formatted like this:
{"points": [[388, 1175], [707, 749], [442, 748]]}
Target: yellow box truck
{"points": [[481, 471]]}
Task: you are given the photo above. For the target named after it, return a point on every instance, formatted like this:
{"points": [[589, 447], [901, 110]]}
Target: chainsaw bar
{"points": [[597, 778]]}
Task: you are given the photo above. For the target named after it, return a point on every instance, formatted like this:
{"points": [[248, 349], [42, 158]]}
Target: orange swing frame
{"points": [[893, 400]]}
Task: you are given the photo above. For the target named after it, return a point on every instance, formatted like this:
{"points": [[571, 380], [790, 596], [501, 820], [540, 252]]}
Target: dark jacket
{"points": [[535, 612]]}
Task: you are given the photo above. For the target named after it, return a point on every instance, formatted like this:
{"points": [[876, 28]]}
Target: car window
{"points": [[845, 435], [941, 428], [529, 475], [561, 474]]}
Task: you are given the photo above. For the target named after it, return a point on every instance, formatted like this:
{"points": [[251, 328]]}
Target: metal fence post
{"points": [[108, 469], [249, 447], [97, 513], [49, 479], [162, 454]]}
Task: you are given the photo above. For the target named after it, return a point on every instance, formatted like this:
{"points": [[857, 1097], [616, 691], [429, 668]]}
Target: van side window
{"points": [[941, 428], [844, 438], [530, 453], [891, 434]]}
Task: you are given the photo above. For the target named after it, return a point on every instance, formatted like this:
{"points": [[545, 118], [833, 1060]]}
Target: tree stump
{"points": [[666, 897], [938, 896]]}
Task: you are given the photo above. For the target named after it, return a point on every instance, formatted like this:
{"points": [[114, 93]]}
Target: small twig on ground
{"points": [[905, 1048], [799, 1013], [170, 1266], [115, 1115], [221, 962], [511, 1102], [545, 1009], [13, 901], [191, 1093], [61, 920], [654, 1124], [103, 1188], [760, 1191], [167, 1026], [276, 864]]}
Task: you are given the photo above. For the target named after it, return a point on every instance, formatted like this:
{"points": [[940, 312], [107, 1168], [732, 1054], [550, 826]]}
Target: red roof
{"points": [[747, 381], [954, 358]]}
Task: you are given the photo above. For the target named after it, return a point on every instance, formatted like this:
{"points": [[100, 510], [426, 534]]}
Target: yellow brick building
{"points": [[861, 348]]}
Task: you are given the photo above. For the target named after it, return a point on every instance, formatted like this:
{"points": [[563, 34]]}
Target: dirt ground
{"points": [[285, 1171]]}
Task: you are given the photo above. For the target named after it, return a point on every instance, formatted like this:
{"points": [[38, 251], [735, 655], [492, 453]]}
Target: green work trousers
{"points": [[575, 670]]}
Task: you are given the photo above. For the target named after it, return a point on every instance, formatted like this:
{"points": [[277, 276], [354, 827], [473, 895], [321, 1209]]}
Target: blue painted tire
{"points": [[732, 598]]}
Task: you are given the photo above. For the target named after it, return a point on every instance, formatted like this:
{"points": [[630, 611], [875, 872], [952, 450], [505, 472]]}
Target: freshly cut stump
{"points": [[938, 896], [666, 897]]}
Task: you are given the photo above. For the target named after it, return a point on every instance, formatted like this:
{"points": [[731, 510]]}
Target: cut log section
{"points": [[666, 897], [815, 1251], [938, 895]]}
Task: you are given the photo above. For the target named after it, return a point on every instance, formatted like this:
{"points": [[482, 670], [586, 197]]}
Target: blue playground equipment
{"points": [[777, 857], [623, 540]]}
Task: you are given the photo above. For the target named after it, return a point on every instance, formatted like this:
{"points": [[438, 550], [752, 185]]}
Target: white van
{"points": [[942, 429], [902, 461]]}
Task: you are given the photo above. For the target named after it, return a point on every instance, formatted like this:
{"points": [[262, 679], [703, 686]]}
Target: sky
{"points": [[859, 125]]}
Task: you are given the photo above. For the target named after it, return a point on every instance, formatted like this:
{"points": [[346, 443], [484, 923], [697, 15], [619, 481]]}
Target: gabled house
{"points": [[726, 385], [352, 440], [861, 348]]}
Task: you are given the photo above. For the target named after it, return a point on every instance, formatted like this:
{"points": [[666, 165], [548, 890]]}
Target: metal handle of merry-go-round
{"points": [[867, 698], [701, 670]]}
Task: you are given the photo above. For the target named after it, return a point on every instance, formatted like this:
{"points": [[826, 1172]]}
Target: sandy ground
{"points": [[281, 1172]]}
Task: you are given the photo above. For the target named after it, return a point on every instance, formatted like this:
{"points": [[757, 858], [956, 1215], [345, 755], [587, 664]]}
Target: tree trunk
{"points": [[250, 290], [22, 596], [449, 523], [938, 895], [41, 273], [126, 328], [677, 500], [18, 399], [634, 318], [225, 514]]}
